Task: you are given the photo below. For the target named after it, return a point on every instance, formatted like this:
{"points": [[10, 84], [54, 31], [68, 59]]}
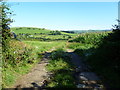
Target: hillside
{"points": [[29, 30], [40, 34]]}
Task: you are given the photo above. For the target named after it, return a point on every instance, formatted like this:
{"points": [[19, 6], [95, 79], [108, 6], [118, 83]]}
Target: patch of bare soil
{"points": [[36, 77]]}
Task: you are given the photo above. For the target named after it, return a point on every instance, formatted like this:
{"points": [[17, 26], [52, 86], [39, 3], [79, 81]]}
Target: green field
{"points": [[45, 46], [39, 34], [29, 30]]}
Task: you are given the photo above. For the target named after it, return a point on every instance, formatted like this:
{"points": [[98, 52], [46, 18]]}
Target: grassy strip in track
{"points": [[61, 69]]}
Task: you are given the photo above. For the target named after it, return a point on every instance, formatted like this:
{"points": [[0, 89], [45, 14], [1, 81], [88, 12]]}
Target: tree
{"points": [[5, 22], [5, 14]]}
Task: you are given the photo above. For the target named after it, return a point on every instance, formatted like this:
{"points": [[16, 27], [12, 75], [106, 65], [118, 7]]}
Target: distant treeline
{"points": [[68, 31], [84, 31]]}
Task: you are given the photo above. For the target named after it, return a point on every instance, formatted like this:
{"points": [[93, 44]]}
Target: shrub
{"points": [[19, 53], [106, 60]]}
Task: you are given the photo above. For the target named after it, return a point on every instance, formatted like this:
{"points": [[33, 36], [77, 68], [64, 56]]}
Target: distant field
{"points": [[41, 34], [29, 30], [54, 36]]}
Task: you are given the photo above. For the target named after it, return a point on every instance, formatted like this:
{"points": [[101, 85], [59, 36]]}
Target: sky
{"points": [[65, 15], [63, 0]]}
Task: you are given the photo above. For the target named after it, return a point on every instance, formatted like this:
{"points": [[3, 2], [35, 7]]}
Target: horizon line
{"points": [[59, 29]]}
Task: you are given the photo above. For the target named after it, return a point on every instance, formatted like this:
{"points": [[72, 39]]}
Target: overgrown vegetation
{"points": [[90, 38], [101, 51], [17, 57], [106, 59], [17, 60]]}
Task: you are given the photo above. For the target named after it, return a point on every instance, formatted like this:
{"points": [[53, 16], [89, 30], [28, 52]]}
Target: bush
{"points": [[19, 53], [106, 59]]}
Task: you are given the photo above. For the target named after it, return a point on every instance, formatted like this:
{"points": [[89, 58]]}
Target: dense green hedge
{"points": [[90, 38], [105, 58]]}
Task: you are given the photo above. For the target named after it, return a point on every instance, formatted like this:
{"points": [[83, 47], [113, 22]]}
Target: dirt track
{"points": [[35, 77], [83, 75]]}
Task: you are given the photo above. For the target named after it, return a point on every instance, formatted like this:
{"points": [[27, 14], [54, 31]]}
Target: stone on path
{"points": [[90, 76]]}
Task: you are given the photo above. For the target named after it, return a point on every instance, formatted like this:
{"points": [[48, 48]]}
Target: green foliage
{"points": [[5, 11], [102, 52], [81, 49], [80, 52], [62, 80], [19, 54], [109, 51], [10, 74], [104, 59], [55, 33], [75, 45], [90, 38], [16, 61], [56, 65]]}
